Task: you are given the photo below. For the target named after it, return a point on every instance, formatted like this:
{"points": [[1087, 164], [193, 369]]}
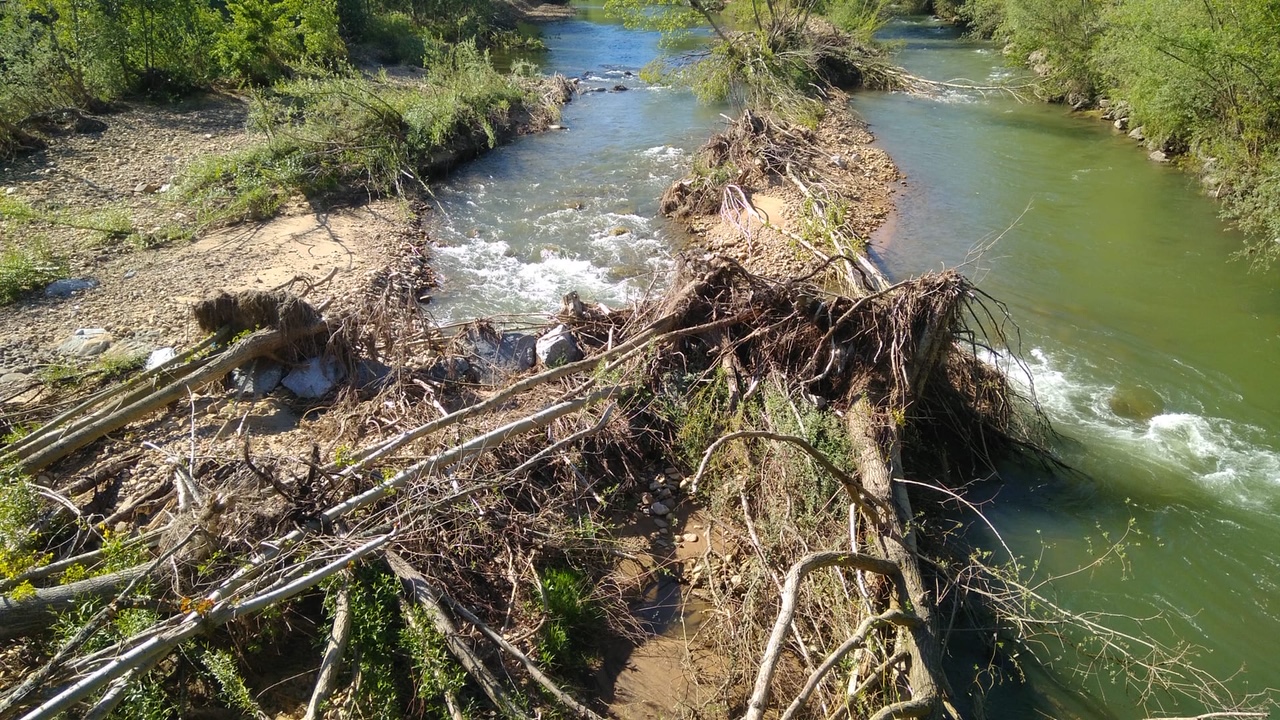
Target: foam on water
{"points": [[1232, 458]]}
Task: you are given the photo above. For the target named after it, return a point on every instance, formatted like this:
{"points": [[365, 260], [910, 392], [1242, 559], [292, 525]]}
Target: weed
{"points": [[20, 547], [110, 223], [376, 631], [573, 619], [28, 267], [438, 673], [231, 686]]}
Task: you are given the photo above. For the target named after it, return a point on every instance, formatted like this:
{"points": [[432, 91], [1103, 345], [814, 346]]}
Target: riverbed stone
{"points": [[558, 347], [658, 509], [160, 356], [316, 378], [1139, 133], [1159, 156], [86, 342], [1135, 402], [67, 287], [258, 378], [496, 354]]}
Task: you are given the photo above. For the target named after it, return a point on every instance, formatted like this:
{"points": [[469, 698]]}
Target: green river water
{"points": [[1116, 269]]}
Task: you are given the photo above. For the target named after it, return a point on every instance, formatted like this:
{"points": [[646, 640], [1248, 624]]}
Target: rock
{"points": [[1138, 133], [69, 286], [1121, 124], [555, 127], [619, 230], [130, 274], [1104, 103], [86, 342], [371, 374], [165, 187], [838, 161], [316, 378], [660, 522], [620, 88], [1136, 402], [689, 537], [159, 357], [14, 378], [10, 190], [452, 369], [664, 493], [558, 347], [1159, 156], [658, 509], [672, 472], [146, 188], [259, 378], [497, 355]]}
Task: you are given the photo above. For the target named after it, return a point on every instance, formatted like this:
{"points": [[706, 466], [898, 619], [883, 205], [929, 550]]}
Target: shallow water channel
{"points": [[1152, 352]]}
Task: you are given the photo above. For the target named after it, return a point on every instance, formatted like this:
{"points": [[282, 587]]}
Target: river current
{"points": [[1152, 352]]}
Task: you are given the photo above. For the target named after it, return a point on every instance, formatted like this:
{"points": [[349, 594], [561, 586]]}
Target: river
{"points": [[1151, 351]]}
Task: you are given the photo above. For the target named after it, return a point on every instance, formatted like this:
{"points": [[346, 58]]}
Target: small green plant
{"points": [[28, 267], [376, 631], [438, 673], [222, 666], [20, 546], [573, 620]]}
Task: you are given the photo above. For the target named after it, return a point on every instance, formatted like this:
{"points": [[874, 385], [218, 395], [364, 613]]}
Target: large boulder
{"points": [[558, 347]]}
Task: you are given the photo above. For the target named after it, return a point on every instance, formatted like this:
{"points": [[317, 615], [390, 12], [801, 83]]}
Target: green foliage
{"points": [[20, 545], [699, 413], [232, 690], [328, 132], [565, 641], [28, 267], [109, 223], [771, 56], [438, 672], [264, 40], [827, 433], [376, 631], [395, 39]]}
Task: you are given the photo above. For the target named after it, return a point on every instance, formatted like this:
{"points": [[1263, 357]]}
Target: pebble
{"points": [[658, 509], [690, 537]]}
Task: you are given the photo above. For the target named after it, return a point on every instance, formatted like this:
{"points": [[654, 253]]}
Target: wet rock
{"points": [[159, 357], [1121, 123], [498, 354], [558, 347], [316, 378], [1138, 133], [1158, 156], [1135, 402], [259, 378], [620, 88], [450, 369], [69, 286], [658, 509], [86, 342]]}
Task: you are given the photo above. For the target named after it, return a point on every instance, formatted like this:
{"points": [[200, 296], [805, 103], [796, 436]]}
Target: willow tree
{"points": [[770, 54]]}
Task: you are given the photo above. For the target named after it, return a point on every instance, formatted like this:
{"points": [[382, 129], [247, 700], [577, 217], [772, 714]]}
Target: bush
{"points": [[28, 267], [330, 132]]}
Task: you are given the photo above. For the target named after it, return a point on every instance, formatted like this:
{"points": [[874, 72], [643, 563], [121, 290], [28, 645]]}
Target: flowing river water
{"points": [[1153, 353]]}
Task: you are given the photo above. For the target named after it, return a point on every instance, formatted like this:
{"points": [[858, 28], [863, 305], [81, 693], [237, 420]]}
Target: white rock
{"points": [[690, 537], [558, 347], [159, 357], [86, 342], [315, 379]]}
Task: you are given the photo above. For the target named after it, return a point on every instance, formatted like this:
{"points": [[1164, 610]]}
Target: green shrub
{"points": [[395, 39], [20, 546], [330, 132], [28, 267], [566, 639]]}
